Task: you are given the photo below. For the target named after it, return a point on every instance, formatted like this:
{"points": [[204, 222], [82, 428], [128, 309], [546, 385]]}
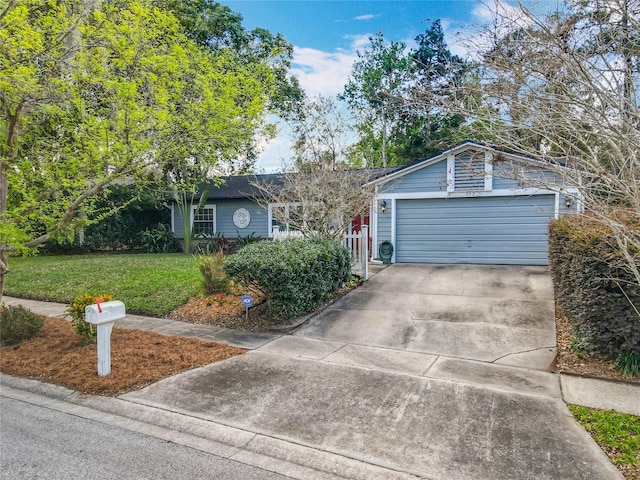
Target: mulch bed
{"points": [[224, 310], [57, 355]]}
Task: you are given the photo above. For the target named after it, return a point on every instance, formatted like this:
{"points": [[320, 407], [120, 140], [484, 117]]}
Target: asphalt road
{"points": [[40, 443]]}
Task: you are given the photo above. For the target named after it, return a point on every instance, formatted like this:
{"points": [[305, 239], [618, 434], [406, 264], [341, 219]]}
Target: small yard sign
{"points": [[247, 301]]}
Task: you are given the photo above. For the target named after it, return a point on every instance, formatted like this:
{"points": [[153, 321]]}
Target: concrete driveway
{"points": [[500, 314], [433, 372]]}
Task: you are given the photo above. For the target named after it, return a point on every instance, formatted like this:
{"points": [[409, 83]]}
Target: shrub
{"points": [[294, 275], [76, 311], [17, 324], [242, 242], [159, 239], [214, 279], [121, 214], [629, 362], [594, 287]]}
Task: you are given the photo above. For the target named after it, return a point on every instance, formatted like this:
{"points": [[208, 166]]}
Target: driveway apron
{"points": [[433, 371]]}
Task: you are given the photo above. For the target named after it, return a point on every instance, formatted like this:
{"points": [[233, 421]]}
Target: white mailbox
{"points": [[104, 315]]}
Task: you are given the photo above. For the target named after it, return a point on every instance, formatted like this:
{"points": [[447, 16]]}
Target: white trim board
{"points": [[472, 194]]}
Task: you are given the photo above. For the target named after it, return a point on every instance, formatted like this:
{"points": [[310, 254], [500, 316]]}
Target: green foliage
{"points": [[241, 242], [594, 286], [17, 324], [159, 239], [76, 309], [618, 434], [120, 216], [629, 363], [101, 95], [188, 208], [214, 279], [294, 275], [148, 284], [399, 98]]}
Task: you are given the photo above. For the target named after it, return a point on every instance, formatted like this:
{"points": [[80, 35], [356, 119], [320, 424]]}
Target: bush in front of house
{"points": [[596, 290], [294, 275], [17, 324]]}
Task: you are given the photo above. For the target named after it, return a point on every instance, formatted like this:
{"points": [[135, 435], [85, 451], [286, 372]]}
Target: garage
{"points": [[483, 230], [470, 204]]}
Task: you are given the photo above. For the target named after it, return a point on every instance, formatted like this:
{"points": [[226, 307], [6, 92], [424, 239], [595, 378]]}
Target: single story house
{"points": [[468, 204]]}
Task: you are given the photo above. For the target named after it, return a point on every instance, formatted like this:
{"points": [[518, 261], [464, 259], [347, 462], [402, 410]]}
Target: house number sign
{"points": [[241, 218]]}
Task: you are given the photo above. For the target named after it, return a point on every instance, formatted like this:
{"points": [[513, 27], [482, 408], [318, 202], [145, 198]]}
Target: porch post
{"points": [[364, 246]]}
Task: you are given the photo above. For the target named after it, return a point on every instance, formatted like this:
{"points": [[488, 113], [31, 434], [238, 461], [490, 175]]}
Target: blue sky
{"points": [[327, 34]]}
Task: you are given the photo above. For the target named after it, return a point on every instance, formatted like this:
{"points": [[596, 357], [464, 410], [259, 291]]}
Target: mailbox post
{"points": [[104, 315]]}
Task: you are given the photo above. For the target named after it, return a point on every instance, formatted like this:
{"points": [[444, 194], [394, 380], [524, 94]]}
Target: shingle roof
{"points": [[241, 186]]}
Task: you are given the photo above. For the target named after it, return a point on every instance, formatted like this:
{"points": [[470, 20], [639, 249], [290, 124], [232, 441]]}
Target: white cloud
{"points": [[368, 16], [325, 73], [359, 41], [319, 73], [275, 154]]}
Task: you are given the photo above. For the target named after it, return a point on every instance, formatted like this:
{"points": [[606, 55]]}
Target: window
{"points": [[469, 171], [286, 216], [204, 221]]}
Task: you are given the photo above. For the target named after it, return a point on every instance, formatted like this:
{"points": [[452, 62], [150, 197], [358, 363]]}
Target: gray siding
{"points": [[490, 230], [503, 178], [224, 219], [432, 178]]}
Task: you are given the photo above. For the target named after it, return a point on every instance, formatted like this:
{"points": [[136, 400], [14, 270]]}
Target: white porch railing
{"points": [[283, 235], [356, 242], [358, 245]]}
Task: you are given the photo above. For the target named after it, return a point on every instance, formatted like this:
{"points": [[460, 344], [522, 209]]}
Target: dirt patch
{"points": [[57, 355], [581, 363]]}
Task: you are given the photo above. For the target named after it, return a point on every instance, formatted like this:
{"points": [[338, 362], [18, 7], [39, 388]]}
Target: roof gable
{"points": [[442, 156]]}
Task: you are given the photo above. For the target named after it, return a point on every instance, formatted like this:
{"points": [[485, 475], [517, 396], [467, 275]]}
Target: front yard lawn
{"points": [[148, 284], [618, 434]]}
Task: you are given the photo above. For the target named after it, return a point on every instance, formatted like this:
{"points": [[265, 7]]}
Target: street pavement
{"points": [[40, 442]]}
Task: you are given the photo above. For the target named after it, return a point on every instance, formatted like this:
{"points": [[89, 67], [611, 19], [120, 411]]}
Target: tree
{"points": [[323, 201], [216, 27], [429, 126], [399, 98], [320, 136], [562, 88], [96, 95], [375, 90]]}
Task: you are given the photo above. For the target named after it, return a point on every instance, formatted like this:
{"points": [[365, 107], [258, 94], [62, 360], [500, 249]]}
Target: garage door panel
{"points": [[501, 230]]}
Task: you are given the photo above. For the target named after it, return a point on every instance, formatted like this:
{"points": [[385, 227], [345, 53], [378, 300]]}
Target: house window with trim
{"points": [[204, 221], [469, 171], [286, 216]]}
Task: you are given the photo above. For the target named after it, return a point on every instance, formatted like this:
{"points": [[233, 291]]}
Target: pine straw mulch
{"points": [[225, 310], [57, 355], [571, 361]]}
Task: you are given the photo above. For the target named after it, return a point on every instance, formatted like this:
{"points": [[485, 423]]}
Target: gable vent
{"points": [[469, 171]]}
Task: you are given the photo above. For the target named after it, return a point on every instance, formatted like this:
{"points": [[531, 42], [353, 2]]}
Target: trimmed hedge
{"points": [[294, 275], [593, 287]]}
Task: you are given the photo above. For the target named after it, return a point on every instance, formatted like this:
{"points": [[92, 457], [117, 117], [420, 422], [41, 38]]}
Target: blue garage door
{"points": [[489, 230]]}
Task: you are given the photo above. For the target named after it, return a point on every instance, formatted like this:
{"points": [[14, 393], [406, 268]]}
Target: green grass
{"points": [[618, 434], [149, 284]]}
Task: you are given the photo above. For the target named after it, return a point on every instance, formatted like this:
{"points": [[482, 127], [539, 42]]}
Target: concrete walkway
{"points": [[314, 407]]}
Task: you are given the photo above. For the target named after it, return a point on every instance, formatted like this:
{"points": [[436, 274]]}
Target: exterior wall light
{"points": [[567, 202], [383, 206]]}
